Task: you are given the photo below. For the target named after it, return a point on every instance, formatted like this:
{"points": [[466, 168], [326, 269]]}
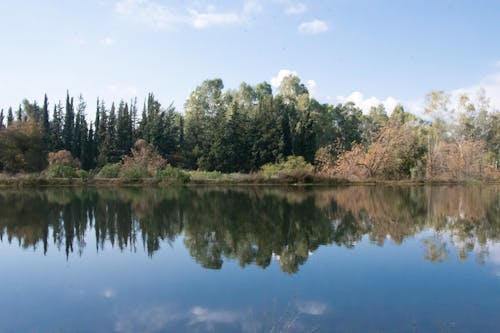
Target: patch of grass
{"points": [[172, 176]]}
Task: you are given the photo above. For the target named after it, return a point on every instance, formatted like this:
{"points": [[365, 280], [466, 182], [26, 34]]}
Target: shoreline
{"points": [[24, 180]]}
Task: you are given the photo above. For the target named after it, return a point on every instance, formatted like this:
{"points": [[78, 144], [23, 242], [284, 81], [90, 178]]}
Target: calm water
{"points": [[354, 259]]}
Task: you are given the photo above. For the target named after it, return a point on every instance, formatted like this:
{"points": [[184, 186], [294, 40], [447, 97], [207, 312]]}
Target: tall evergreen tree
{"points": [[69, 120], [10, 117], [79, 131], [45, 122], [111, 138], [100, 135], [56, 129]]}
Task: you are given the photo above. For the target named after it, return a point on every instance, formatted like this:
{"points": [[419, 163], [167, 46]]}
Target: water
{"points": [[251, 259]]}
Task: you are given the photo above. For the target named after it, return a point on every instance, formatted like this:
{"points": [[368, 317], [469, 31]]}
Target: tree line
{"points": [[241, 130]]}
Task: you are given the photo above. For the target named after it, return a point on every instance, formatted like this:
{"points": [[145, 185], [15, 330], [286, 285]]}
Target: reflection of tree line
{"points": [[253, 225]]}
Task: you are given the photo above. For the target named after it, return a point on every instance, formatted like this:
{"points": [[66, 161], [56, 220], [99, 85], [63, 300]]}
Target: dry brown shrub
{"points": [[457, 160], [64, 158], [143, 155]]}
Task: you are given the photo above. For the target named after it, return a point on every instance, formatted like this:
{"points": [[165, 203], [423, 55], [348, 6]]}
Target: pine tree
{"points": [[1, 119], [19, 114], [79, 131], [69, 119], [56, 130], [111, 138], [45, 122], [10, 117], [100, 135]]}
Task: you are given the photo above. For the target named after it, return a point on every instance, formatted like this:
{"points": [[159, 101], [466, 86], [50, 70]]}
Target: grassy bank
{"points": [[189, 178]]}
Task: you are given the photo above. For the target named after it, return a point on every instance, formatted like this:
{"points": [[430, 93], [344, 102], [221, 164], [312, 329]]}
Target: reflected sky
{"points": [[354, 259]]}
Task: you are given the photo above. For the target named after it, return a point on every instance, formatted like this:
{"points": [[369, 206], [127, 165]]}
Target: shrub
{"points": [[293, 165], [109, 171], [143, 155], [62, 157], [82, 174], [134, 172], [61, 171], [171, 175]]}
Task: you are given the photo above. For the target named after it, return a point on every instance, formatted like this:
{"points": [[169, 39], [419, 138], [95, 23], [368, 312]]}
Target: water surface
{"points": [[251, 259]]}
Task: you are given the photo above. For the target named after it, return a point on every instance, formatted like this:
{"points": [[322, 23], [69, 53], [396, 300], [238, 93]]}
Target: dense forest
{"points": [[245, 129]]}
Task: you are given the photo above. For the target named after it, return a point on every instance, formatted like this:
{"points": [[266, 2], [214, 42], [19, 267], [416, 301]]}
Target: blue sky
{"points": [[368, 51]]}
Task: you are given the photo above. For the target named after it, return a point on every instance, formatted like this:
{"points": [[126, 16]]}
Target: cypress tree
{"points": [[68, 129], [10, 117], [111, 138], [19, 114], [56, 131], [45, 122]]}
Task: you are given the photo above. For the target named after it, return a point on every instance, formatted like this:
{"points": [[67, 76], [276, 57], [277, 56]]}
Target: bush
{"points": [[109, 171], [82, 174], [171, 175], [134, 172], [61, 171], [293, 165], [62, 157], [144, 155]]}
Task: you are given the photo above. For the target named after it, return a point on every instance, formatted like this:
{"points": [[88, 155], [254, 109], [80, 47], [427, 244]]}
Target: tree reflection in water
{"points": [[253, 225]]}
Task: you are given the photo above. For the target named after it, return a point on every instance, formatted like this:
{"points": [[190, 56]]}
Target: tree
{"points": [[21, 147], [45, 119], [10, 117], [69, 120], [204, 110], [111, 138], [56, 142]]}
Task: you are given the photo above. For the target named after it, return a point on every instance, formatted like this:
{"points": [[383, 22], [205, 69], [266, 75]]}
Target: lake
{"points": [[251, 259]]}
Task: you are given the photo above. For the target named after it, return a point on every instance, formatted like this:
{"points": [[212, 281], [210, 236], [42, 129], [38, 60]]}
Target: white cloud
{"points": [[159, 16], [292, 7], [313, 27], [311, 308], [203, 315], [276, 81], [108, 293], [312, 87], [366, 103], [107, 41], [147, 12], [208, 19], [153, 319], [252, 7], [491, 86], [497, 64], [295, 9]]}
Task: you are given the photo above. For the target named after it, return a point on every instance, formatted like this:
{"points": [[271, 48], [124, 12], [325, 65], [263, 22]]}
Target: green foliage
{"points": [[109, 171], [134, 172], [61, 171], [293, 165], [171, 175], [82, 174], [22, 148]]}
